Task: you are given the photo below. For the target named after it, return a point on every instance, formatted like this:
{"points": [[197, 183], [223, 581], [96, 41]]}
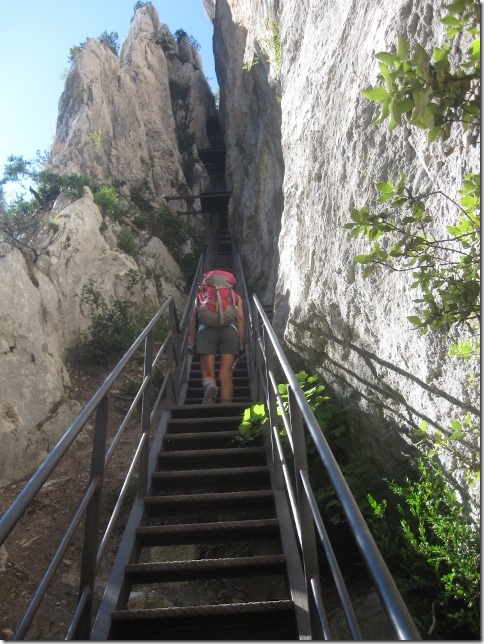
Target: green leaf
{"points": [[387, 75], [387, 58], [421, 60], [375, 94], [385, 111], [451, 21], [416, 321], [475, 50], [402, 47], [428, 117], [456, 7], [362, 259]]}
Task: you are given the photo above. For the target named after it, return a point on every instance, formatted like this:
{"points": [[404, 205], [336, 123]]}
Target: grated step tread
{"points": [[250, 529], [206, 569]]}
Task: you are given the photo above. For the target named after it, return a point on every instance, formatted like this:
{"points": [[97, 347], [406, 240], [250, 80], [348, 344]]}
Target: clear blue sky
{"points": [[35, 39]]}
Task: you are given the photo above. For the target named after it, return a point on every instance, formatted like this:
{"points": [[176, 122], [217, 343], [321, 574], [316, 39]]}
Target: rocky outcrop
{"points": [[117, 116], [119, 123], [352, 331]]}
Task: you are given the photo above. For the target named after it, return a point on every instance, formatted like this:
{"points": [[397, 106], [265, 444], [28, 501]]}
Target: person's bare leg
{"points": [[226, 377], [210, 389], [207, 363]]}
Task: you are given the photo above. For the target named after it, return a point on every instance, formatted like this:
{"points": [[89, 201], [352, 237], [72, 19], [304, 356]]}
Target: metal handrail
{"points": [[269, 358], [241, 287], [90, 504], [267, 364]]}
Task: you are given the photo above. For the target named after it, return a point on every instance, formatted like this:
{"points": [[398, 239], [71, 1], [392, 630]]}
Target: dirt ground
{"points": [[29, 549]]}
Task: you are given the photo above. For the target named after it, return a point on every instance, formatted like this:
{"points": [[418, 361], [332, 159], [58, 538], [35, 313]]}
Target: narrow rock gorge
{"points": [[301, 151]]}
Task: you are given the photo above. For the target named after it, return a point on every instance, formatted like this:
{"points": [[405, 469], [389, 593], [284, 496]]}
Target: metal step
{"points": [[236, 456], [176, 479], [202, 440], [233, 478], [213, 532], [238, 621], [198, 410], [181, 503], [149, 573], [219, 423]]}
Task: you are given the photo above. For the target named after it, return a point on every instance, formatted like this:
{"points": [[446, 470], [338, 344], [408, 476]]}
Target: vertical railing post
{"points": [[145, 415], [308, 536], [169, 356], [91, 528], [257, 354], [273, 416]]}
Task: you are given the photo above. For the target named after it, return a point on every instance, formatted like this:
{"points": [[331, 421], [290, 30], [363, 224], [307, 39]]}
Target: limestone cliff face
{"points": [[117, 116], [250, 112], [124, 122], [352, 331]]}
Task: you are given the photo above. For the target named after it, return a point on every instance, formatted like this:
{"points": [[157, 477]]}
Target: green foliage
{"points": [[188, 264], [126, 242], [137, 6], [424, 89], [433, 552], [248, 66], [96, 137], [446, 270], [75, 50], [22, 220], [429, 92], [194, 44], [51, 184], [111, 41], [113, 327], [330, 419], [108, 201], [271, 45], [161, 221], [173, 231], [179, 34]]}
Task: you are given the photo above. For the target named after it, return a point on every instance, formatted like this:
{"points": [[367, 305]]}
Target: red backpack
{"points": [[217, 299]]}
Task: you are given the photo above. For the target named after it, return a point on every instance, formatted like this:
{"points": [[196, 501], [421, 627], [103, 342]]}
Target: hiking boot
{"points": [[210, 395]]}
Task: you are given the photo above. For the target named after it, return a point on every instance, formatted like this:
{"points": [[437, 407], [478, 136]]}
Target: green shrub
{"points": [[126, 242], [433, 552], [111, 41], [108, 201], [113, 327], [330, 418]]}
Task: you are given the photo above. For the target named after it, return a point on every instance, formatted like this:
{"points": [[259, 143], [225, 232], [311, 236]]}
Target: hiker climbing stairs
{"points": [[207, 562]]}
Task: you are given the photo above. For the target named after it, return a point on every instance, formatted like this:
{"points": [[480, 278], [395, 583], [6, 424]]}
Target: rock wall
{"points": [[117, 116], [350, 330], [117, 124]]}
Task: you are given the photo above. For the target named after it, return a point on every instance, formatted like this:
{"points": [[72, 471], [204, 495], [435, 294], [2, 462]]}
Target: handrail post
{"points": [[169, 356], [257, 354], [273, 417], [146, 414], [91, 529], [308, 536]]}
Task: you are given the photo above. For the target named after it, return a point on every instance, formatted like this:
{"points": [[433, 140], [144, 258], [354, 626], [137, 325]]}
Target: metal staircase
{"points": [[224, 538], [208, 489]]}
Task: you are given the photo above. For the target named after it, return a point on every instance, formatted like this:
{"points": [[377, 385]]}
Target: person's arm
{"points": [[241, 324]]}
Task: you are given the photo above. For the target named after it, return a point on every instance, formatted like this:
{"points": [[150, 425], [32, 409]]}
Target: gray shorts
{"points": [[213, 340]]}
